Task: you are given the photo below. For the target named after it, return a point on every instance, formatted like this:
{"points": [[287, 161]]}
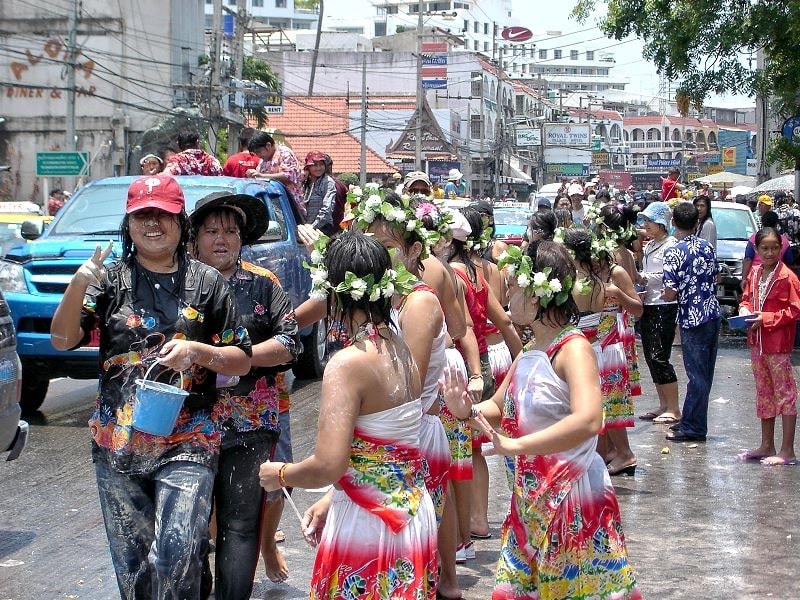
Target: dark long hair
{"points": [[553, 255], [362, 255], [580, 242], [399, 228], [766, 232], [129, 250], [707, 201]]}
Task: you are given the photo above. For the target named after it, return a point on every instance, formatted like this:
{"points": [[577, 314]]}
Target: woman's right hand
{"points": [[92, 270], [314, 520]]}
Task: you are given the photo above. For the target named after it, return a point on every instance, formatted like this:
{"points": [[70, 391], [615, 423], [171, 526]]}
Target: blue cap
{"points": [[658, 212]]}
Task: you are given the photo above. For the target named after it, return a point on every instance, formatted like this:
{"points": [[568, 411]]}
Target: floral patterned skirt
{"points": [[359, 557]]}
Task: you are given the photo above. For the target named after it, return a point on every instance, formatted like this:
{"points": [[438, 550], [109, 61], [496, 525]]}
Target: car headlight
{"points": [[12, 278]]}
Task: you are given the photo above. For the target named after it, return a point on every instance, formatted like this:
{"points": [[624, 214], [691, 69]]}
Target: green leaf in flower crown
{"points": [[562, 297]]}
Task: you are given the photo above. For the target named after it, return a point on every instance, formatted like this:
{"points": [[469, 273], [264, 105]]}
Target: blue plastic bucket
{"points": [[156, 406]]}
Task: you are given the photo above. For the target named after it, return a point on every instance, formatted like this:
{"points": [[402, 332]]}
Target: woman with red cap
{"points": [[154, 307], [319, 193]]}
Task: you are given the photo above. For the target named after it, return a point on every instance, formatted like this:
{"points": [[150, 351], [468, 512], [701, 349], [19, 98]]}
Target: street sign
{"points": [[663, 163], [529, 137], [575, 169], [791, 130], [61, 164], [516, 34]]}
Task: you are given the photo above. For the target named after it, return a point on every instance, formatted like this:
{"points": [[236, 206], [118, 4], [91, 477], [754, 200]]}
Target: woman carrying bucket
{"points": [[247, 410], [154, 305]]}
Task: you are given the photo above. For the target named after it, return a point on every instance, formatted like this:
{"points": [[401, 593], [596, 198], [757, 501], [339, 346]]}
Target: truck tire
{"points": [[34, 387], [311, 363]]}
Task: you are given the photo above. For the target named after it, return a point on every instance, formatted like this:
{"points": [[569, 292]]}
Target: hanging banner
{"points": [[434, 65]]}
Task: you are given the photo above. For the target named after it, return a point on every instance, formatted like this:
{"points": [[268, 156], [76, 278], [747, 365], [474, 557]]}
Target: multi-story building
{"points": [[566, 62], [131, 72], [270, 13], [661, 136]]}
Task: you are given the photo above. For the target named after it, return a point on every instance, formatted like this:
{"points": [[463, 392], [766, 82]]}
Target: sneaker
{"points": [[465, 552], [469, 551], [461, 554]]}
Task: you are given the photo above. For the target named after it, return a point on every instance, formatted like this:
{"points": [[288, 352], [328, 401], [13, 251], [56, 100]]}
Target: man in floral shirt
{"points": [[191, 160], [690, 277], [278, 162]]}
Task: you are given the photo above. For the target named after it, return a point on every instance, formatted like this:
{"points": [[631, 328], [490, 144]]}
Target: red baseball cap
{"points": [[314, 157], [155, 191]]}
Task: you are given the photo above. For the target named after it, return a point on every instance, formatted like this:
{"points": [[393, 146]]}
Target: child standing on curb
{"points": [[772, 296]]}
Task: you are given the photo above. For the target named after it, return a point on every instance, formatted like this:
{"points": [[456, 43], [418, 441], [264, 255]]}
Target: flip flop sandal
{"points": [[280, 536], [666, 420], [478, 536], [648, 416]]}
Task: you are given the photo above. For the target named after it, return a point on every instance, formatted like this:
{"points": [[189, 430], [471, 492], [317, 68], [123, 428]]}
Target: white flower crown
{"points": [[396, 280], [540, 284]]}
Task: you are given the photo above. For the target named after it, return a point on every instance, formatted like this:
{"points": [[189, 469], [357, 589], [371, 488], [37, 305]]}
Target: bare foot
{"points": [[453, 593], [757, 454], [779, 460], [275, 564]]}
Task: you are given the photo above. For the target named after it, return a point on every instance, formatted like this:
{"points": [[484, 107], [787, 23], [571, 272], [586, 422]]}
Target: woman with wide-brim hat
{"points": [[247, 410]]}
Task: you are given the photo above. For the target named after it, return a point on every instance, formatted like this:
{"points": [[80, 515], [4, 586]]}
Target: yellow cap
{"points": [[765, 199]]}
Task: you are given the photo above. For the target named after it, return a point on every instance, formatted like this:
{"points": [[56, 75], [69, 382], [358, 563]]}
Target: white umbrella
{"points": [[784, 183], [726, 178], [739, 190]]}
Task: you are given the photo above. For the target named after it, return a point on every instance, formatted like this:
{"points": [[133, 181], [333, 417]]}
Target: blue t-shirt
{"points": [[690, 269]]}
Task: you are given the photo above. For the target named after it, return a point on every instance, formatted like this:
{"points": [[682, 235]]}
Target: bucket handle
{"points": [[150, 368]]}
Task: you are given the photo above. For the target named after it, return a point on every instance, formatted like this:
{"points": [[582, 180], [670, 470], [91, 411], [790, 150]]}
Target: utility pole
{"points": [[214, 85], [363, 172], [237, 62], [316, 49], [72, 58], [499, 138], [420, 92]]}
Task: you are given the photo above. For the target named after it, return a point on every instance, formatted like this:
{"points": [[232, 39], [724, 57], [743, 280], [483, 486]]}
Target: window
{"points": [[209, 1], [524, 68], [476, 27], [476, 45], [466, 25], [278, 3], [475, 127], [573, 55], [590, 55], [231, 2], [413, 9], [485, 29], [485, 46], [380, 29], [556, 54], [542, 54], [520, 102], [475, 88]]}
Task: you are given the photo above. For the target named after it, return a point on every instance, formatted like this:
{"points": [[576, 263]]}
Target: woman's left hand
{"points": [[178, 355], [268, 475], [501, 444]]}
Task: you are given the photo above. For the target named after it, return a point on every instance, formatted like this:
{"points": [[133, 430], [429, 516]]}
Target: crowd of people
{"points": [[457, 346]]}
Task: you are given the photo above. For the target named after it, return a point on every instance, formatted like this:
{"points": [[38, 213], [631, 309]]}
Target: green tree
{"points": [[711, 45], [258, 70]]}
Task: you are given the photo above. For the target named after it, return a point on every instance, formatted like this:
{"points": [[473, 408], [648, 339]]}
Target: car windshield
{"points": [[733, 224], [98, 210], [510, 216]]}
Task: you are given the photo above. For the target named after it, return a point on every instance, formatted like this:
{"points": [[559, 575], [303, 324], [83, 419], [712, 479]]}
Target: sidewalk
{"points": [[698, 523]]}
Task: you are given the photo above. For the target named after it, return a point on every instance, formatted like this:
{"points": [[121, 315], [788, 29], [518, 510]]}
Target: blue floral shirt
{"points": [[690, 270]]}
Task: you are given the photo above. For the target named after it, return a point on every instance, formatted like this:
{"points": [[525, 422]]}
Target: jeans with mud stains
{"points": [[156, 524], [699, 345]]}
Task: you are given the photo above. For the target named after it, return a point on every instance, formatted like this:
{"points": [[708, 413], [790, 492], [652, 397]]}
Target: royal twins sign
{"points": [[576, 135]]}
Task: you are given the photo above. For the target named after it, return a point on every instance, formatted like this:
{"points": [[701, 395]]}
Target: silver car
{"points": [[13, 432]]}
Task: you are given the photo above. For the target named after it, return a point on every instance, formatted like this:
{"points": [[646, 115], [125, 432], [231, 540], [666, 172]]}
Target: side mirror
{"points": [[29, 230], [273, 233]]}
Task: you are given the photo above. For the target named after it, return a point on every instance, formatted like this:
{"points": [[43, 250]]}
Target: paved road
{"points": [[699, 524]]}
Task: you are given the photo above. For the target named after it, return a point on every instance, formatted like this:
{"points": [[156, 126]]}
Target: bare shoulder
{"points": [[576, 358]]}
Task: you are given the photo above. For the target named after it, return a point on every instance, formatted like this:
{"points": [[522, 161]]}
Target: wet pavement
{"points": [[698, 523]]}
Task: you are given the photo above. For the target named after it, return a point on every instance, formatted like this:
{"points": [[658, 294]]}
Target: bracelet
{"points": [[473, 412], [476, 376], [281, 475]]}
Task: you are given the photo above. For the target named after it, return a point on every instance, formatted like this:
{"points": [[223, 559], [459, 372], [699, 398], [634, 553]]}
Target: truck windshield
{"points": [[733, 224], [99, 209]]}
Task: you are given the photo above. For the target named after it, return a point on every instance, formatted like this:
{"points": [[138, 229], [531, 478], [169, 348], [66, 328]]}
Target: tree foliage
{"points": [[258, 70], [710, 46]]}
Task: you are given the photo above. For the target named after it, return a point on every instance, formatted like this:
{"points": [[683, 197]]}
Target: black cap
{"points": [[250, 208]]}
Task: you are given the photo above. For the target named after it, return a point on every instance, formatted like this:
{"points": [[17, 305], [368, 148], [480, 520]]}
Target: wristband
{"points": [[281, 477]]}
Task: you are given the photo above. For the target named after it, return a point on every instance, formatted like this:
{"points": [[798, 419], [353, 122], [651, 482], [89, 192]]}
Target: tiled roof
{"points": [[321, 123], [673, 120], [599, 113]]}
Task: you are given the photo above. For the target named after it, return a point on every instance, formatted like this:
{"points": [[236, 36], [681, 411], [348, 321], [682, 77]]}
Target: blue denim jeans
{"points": [[156, 524], [699, 345]]}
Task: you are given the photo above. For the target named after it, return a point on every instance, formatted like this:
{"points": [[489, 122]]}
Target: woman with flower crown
{"points": [[562, 537], [375, 532], [398, 226], [487, 315], [609, 292]]}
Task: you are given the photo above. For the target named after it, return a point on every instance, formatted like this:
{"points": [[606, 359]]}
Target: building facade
{"points": [[131, 72]]}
